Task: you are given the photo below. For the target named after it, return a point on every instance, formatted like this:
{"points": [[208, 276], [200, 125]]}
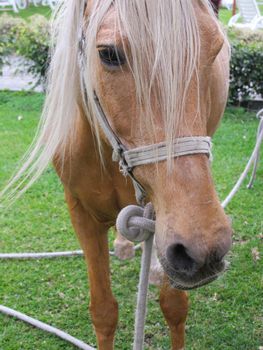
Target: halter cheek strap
{"points": [[128, 159], [119, 150]]}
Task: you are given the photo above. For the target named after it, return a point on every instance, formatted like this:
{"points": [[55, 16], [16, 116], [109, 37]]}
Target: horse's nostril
{"points": [[215, 258], [179, 259]]}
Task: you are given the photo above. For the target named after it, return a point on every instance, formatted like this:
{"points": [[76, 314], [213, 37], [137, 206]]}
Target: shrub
{"points": [[29, 39], [7, 24], [245, 35], [246, 67]]}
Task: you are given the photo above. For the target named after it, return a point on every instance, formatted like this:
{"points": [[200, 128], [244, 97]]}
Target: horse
{"points": [[159, 71]]}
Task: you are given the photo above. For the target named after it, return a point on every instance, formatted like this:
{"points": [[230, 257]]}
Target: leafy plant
{"points": [[246, 68], [29, 39], [32, 42], [7, 25]]}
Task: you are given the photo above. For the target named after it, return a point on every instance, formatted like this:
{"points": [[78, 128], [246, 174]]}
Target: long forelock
{"points": [[164, 44]]}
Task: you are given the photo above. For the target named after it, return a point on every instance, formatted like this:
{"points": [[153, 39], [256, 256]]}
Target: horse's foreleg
{"points": [[93, 239], [174, 305]]}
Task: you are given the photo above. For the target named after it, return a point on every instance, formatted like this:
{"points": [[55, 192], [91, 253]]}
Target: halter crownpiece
{"points": [[129, 159]]}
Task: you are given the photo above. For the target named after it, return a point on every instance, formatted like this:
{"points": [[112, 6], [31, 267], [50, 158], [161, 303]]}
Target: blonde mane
{"points": [[165, 44]]}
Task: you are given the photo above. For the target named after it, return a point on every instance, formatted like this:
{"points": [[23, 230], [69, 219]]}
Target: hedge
{"points": [[7, 25], [31, 40], [246, 67]]}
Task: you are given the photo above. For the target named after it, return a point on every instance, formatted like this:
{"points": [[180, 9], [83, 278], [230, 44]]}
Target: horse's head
{"points": [[153, 67]]}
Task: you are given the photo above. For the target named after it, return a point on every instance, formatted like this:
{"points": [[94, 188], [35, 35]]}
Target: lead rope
{"points": [[45, 327], [136, 224], [141, 309], [129, 221], [253, 159], [260, 138], [137, 229], [134, 227]]}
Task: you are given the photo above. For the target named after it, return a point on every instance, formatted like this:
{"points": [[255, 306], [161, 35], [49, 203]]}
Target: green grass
{"points": [[30, 11], [225, 315], [225, 15]]}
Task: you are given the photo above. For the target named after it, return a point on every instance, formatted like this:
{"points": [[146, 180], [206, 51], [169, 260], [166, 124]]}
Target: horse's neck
{"points": [[103, 189]]}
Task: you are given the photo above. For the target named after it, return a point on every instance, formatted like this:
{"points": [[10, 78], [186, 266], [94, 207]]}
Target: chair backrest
{"points": [[8, 5], [249, 9], [5, 3]]}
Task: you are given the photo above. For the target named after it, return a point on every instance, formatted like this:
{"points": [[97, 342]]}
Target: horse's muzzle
{"points": [[202, 276], [190, 266]]}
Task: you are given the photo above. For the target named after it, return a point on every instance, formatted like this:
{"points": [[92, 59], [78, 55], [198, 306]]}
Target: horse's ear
{"points": [[217, 41], [212, 36]]}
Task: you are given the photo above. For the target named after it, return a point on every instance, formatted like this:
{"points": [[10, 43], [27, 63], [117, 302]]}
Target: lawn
{"points": [[225, 15], [225, 315], [30, 11]]}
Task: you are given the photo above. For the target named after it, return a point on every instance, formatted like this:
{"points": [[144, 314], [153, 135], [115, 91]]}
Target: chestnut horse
{"points": [[160, 71]]}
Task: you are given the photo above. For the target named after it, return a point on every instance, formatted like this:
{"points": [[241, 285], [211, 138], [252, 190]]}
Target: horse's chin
{"points": [[188, 285], [205, 275]]}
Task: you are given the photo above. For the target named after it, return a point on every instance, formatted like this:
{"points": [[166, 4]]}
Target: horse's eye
{"points": [[111, 56]]}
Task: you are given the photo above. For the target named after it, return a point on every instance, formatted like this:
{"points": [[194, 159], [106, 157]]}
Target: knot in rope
{"points": [[136, 223]]}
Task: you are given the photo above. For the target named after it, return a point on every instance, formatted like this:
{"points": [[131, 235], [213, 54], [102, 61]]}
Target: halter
{"points": [[130, 158]]}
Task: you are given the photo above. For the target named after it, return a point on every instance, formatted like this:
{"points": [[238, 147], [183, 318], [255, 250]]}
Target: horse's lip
{"points": [[183, 282], [183, 285]]}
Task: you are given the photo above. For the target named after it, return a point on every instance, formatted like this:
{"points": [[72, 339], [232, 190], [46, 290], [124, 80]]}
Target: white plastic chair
{"points": [[51, 3], [35, 2], [21, 4], [8, 5], [250, 14]]}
